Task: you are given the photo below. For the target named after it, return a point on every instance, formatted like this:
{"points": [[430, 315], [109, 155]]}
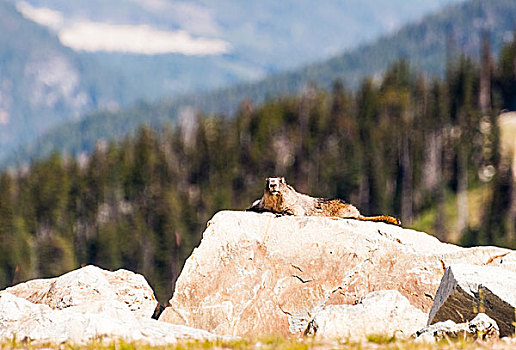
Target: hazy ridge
{"points": [[43, 83], [423, 44]]}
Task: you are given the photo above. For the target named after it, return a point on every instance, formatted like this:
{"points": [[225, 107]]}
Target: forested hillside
{"points": [[425, 45], [401, 145]]}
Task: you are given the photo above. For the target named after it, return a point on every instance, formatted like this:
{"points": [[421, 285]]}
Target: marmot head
{"points": [[274, 185]]}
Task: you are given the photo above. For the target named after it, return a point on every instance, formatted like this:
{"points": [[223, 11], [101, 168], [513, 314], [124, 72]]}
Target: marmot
{"points": [[281, 198]]}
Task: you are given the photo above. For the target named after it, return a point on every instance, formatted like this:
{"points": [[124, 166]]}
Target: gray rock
{"points": [[466, 290], [386, 313], [482, 327]]}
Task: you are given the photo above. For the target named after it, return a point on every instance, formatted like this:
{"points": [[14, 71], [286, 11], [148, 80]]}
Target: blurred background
{"points": [[126, 124]]}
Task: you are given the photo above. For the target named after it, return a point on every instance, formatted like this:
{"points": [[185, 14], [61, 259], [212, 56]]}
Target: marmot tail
{"points": [[382, 218]]}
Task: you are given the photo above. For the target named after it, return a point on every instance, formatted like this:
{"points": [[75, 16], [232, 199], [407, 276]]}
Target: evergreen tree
{"points": [[400, 145]]}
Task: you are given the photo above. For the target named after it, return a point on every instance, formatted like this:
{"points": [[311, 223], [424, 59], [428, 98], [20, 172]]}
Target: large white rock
{"points": [[508, 261], [466, 290], [87, 285], [386, 313], [107, 321], [260, 274]]}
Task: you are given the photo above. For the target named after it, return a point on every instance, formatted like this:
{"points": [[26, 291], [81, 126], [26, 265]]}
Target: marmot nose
{"points": [[272, 186]]}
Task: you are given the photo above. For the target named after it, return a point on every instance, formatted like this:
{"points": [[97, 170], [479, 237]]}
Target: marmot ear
{"points": [[282, 180]]}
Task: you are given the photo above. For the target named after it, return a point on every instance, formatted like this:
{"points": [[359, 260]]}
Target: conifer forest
{"points": [[406, 144]]}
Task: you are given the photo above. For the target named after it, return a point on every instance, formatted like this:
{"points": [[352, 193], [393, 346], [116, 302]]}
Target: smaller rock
{"points": [[509, 340], [107, 321], [482, 327], [386, 313], [88, 284]]}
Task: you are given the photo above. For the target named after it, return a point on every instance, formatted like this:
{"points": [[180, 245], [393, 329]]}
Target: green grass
{"points": [[270, 343]]}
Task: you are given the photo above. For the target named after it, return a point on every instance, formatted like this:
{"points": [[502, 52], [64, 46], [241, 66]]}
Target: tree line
{"points": [[404, 145]]}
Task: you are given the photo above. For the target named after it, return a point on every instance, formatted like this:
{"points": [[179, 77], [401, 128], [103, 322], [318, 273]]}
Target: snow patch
{"points": [[141, 39], [43, 15], [85, 35]]}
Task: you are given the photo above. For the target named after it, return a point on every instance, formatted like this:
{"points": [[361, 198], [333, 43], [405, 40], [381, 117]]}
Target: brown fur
{"points": [[281, 198]]}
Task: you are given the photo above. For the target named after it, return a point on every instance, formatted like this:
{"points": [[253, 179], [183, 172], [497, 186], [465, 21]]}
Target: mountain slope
{"points": [[423, 44], [267, 35], [34, 84], [44, 83]]}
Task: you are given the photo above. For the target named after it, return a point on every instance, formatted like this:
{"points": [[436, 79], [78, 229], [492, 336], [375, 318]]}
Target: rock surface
{"points": [[106, 321], [90, 284], [466, 290], [386, 313], [481, 327], [260, 274]]}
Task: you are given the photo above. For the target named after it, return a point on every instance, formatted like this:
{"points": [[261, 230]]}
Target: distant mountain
{"points": [[263, 37], [68, 63], [37, 87], [423, 44]]}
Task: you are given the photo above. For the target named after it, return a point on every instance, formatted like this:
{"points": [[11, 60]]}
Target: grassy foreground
{"points": [[269, 343]]}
